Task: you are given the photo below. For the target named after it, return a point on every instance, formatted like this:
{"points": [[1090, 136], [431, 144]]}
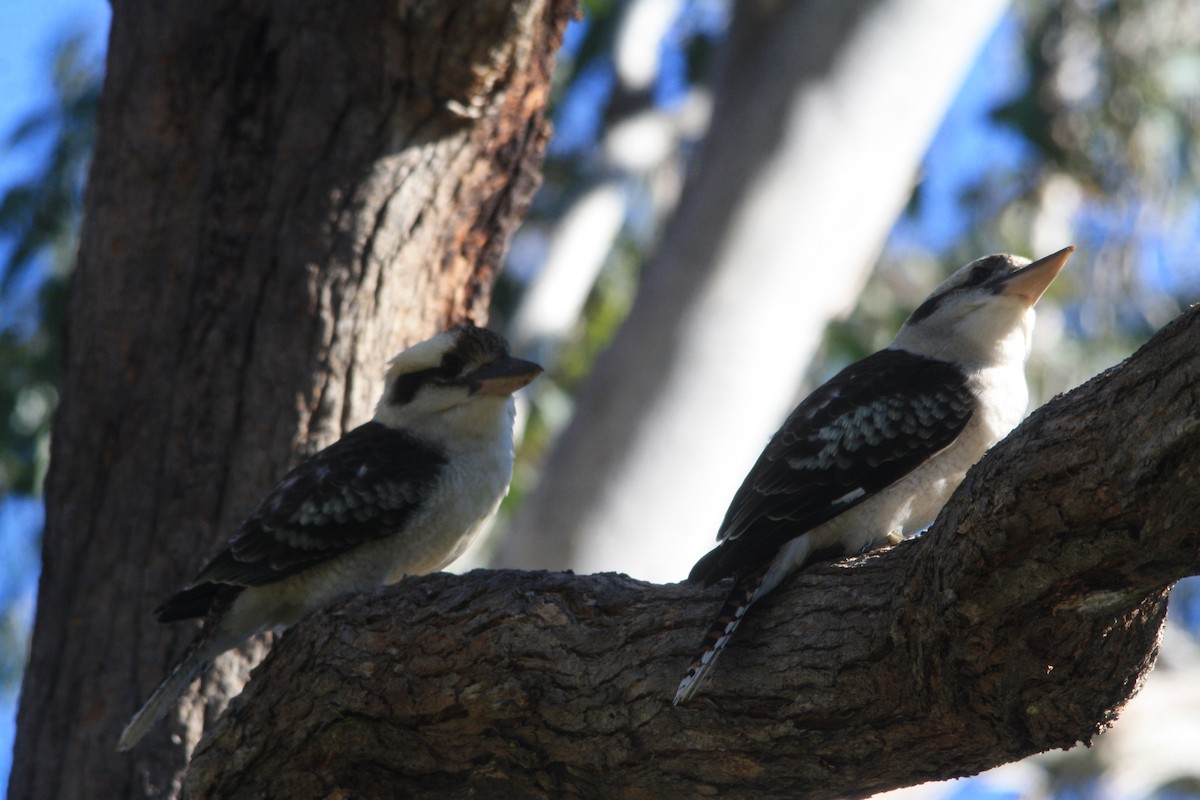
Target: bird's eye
{"points": [[978, 276]]}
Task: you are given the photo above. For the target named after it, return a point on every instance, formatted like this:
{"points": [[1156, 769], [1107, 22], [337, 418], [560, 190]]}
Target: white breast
{"points": [[910, 504]]}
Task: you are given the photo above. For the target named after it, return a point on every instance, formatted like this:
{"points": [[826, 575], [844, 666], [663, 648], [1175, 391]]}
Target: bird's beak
{"points": [[502, 377], [1029, 282]]}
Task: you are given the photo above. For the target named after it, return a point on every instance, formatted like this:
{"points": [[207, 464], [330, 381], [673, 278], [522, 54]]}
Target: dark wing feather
{"points": [[362, 487], [867, 427]]}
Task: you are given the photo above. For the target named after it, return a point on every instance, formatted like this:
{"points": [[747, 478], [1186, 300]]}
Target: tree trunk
{"points": [[283, 195], [1021, 622], [822, 112]]}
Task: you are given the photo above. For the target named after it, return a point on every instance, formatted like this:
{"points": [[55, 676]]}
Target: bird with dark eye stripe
{"points": [[988, 271], [870, 456], [403, 494]]}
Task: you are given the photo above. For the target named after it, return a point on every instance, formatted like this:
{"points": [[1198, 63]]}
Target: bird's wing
{"points": [[867, 427], [363, 487]]}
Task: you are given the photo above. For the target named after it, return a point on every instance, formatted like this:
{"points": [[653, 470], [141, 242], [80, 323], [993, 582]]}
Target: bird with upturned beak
{"points": [[872, 455]]}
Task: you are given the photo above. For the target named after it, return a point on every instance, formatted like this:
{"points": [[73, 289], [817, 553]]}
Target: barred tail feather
{"points": [[186, 670], [744, 592]]}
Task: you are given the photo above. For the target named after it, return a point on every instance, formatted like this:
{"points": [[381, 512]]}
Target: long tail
{"points": [[186, 670], [743, 594]]}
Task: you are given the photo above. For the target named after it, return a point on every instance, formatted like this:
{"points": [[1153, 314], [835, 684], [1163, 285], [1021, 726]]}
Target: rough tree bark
{"points": [[1021, 622], [283, 195]]}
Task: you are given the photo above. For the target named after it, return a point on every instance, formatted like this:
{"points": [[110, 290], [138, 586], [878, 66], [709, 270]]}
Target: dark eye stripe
{"points": [[927, 308], [988, 268], [452, 365], [978, 275], [474, 347], [406, 387]]}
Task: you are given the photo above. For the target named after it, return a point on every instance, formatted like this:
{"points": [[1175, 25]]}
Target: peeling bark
{"points": [[1021, 622], [283, 195]]}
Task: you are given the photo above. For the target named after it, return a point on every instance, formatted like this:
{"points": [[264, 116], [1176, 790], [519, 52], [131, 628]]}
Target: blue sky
{"points": [[27, 39], [966, 138]]}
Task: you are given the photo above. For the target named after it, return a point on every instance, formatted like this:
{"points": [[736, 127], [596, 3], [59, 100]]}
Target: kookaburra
{"points": [[872, 455], [403, 494]]}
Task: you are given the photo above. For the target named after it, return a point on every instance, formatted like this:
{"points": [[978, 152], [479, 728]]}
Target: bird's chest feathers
{"points": [[1007, 398], [464, 499]]}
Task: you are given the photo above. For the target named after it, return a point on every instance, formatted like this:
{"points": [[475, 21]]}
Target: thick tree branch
{"points": [[1022, 622]]}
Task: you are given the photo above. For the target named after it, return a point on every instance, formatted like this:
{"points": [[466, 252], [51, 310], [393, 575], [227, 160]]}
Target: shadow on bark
{"points": [[1021, 622]]}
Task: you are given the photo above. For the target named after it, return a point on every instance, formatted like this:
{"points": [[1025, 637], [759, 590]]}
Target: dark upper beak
{"points": [[502, 377], [1029, 282]]}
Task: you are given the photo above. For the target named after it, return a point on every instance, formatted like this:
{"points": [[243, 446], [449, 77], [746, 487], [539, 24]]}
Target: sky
{"points": [[27, 39]]}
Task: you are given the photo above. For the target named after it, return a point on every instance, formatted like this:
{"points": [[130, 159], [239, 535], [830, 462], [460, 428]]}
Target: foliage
{"points": [[39, 218], [595, 103]]}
